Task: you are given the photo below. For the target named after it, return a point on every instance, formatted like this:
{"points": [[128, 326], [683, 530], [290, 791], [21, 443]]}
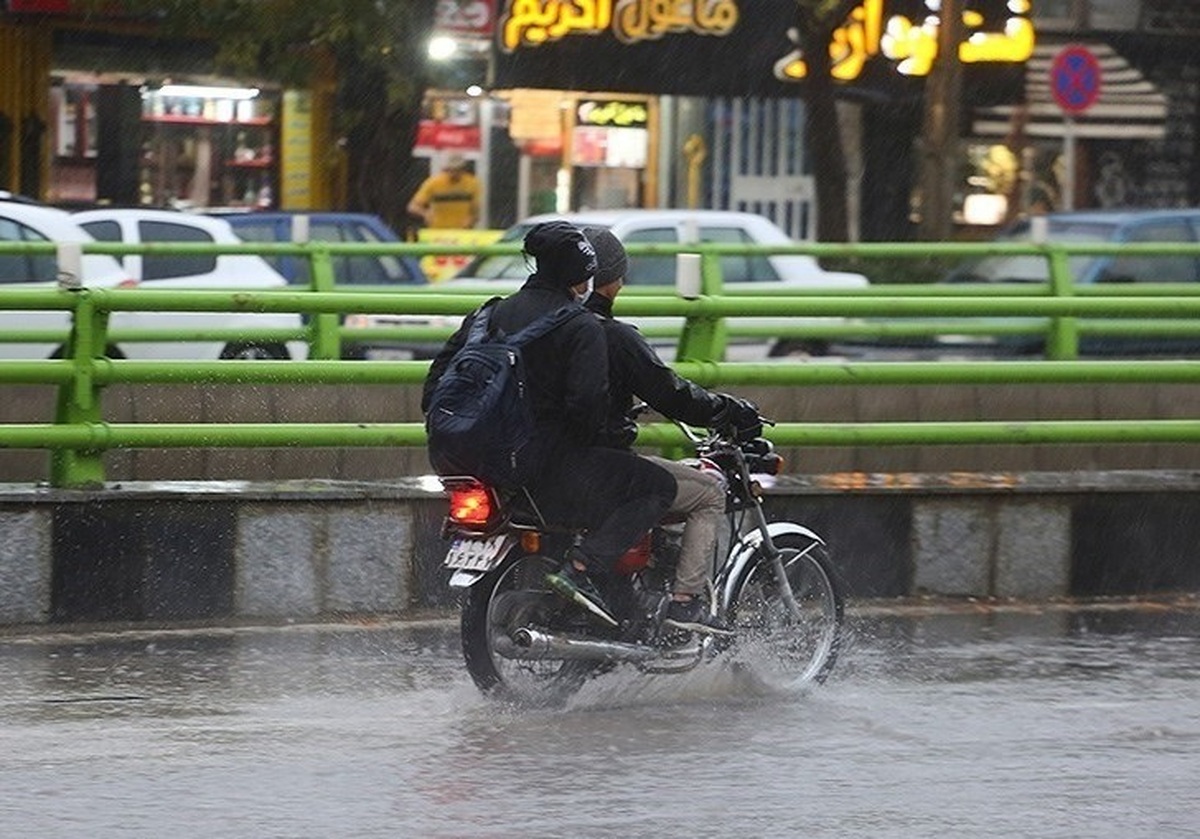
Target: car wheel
{"points": [[784, 348], [110, 351], [255, 352]]}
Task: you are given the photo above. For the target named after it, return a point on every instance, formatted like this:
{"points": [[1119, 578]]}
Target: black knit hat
{"points": [[611, 260], [564, 255]]}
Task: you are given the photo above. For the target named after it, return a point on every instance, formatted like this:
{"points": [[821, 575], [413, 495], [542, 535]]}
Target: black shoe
{"points": [[577, 586], [693, 615]]}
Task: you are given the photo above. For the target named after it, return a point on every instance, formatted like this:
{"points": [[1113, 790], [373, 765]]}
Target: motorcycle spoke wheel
{"points": [[517, 598], [787, 650]]}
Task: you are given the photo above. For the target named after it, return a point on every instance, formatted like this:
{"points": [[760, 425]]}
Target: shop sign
{"points": [[612, 113], [467, 17], [442, 266], [432, 134], [911, 41], [749, 47], [41, 7], [610, 148], [610, 133], [542, 147], [295, 171], [535, 115]]}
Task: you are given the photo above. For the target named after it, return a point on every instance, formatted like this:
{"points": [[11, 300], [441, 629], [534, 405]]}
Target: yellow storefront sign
{"points": [[443, 266]]}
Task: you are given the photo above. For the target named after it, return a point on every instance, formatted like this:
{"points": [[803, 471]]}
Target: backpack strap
{"points": [[482, 320], [546, 323]]}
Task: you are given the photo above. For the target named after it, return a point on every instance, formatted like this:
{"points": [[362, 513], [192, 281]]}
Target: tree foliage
{"points": [[377, 52]]}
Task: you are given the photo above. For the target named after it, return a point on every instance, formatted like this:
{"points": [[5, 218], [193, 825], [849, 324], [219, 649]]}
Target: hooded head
{"points": [[565, 258], [611, 259]]}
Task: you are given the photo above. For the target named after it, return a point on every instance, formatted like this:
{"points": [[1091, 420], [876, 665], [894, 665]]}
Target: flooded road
{"points": [[1039, 722]]}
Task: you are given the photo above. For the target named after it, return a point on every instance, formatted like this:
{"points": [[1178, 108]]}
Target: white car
{"points": [[222, 271], [505, 273]]}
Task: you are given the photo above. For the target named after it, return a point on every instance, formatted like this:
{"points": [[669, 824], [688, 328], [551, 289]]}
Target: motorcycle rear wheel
{"points": [[788, 651], [511, 597]]}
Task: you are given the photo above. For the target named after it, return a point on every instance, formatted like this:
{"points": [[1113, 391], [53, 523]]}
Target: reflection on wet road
{"points": [[1016, 723]]}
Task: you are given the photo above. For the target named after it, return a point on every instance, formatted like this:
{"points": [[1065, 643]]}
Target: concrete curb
{"points": [[307, 550]]}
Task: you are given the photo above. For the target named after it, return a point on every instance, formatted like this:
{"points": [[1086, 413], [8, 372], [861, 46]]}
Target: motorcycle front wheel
{"points": [[509, 598], [787, 650]]}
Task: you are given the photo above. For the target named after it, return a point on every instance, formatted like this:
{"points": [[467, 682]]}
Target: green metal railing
{"points": [[79, 436]]}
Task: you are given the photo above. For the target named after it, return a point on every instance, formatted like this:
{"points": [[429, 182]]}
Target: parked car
{"points": [[24, 221], [147, 226], [505, 273], [1099, 226], [331, 227], [377, 272]]}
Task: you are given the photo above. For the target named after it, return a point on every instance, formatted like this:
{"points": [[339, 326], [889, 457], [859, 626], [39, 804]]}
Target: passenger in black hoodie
{"points": [[636, 371], [574, 480]]}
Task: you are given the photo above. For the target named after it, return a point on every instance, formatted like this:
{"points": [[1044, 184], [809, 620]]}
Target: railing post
{"points": [[1062, 340], [79, 400], [326, 326], [704, 336]]}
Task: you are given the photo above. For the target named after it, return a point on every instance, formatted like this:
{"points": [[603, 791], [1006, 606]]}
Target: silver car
{"points": [[505, 273]]}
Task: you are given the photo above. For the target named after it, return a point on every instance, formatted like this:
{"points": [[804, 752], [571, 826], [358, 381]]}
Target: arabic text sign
{"points": [[1075, 79], [749, 47]]}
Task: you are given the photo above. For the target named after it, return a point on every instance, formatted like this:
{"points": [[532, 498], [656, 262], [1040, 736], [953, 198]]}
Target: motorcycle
{"points": [[773, 585]]}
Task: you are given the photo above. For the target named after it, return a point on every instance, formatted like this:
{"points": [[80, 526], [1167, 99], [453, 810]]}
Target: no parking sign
{"points": [[1075, 79], [1075, 83]]}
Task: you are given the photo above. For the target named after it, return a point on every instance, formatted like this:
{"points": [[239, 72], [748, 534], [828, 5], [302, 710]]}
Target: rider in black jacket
{"points": [[574, 481], [635, 370]]}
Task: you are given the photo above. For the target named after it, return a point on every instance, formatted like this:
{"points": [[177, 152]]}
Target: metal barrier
{"points": [[79, 435]]}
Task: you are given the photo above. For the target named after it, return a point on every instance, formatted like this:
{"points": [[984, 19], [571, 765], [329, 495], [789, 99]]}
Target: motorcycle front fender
{"points": [[745, 549]]}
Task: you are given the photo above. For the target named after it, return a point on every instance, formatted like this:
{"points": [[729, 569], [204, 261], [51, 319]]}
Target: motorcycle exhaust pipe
{"points": [[530, 644]]}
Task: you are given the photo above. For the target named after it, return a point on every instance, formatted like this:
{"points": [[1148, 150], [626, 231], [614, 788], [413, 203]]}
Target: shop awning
{"points": [[1129, 106]]}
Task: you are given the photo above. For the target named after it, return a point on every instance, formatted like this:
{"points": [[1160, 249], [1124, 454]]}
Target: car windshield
{"points": [[512, 266], [1033, 268]]}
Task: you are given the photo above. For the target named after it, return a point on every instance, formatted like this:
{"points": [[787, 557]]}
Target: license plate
{"points": [[477, 554]]}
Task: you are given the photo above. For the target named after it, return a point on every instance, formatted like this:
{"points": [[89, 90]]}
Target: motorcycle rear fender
{"points": [[746, 548]]}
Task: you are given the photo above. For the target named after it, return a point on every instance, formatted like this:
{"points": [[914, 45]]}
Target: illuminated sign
{"points": [[912, 43], [534, 22], [468, 17], [746, 47], [612, 113]]}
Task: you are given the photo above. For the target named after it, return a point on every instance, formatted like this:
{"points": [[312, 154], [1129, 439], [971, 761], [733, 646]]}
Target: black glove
{"points": [[739, 417]]}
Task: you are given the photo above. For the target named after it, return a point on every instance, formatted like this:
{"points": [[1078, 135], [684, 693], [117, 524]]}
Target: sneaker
{"points": [[693, 616], [577, 586]]}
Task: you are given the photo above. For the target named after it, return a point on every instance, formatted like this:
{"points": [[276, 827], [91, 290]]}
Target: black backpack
{"points": [[479, 418]]}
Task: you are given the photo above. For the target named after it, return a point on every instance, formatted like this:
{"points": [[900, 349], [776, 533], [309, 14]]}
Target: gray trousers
{"points": [[700, 501]]}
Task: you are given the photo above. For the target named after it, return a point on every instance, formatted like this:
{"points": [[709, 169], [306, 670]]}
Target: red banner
{"points": [[41, 7], [444, 135]]}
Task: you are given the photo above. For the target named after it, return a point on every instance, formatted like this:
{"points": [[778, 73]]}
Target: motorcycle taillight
{"points": [[471, 505]]}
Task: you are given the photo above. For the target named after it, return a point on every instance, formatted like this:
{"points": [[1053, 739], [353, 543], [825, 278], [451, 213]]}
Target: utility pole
{"points": [[939, 135]]}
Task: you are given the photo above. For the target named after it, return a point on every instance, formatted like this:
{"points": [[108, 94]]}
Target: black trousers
{"points": [[616, 495]]}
